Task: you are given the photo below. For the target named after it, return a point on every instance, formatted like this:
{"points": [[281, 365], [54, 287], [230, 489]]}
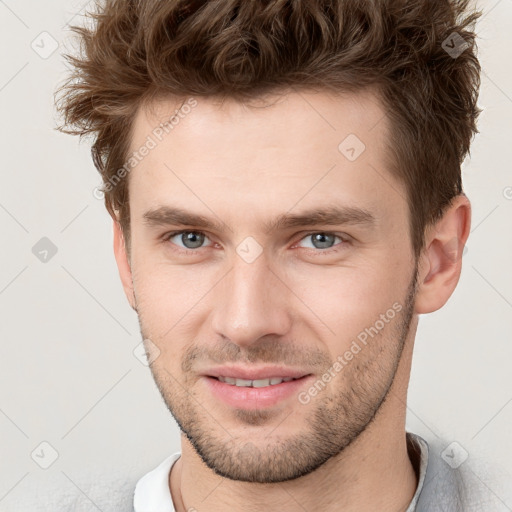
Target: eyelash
{"points": [[190, 252]]}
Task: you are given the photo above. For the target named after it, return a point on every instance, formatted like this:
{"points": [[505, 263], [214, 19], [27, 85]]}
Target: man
{"points": [[284, 179]]}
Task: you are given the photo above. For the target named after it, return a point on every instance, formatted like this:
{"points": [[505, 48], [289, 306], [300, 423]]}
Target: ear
{"points": [[123, 264], [440, 263]]}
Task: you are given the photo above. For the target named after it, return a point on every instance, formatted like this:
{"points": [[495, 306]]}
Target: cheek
{"points": [[348, 300], [168, 296]]}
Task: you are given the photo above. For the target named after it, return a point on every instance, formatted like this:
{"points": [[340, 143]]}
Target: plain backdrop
{"points": [[68, 374]]}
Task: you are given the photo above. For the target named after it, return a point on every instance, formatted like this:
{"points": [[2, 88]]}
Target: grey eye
{"points": [[322, 240], [189, 239]]}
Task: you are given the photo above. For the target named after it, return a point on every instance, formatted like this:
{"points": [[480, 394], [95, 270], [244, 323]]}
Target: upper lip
{"points": [[247, 373]]}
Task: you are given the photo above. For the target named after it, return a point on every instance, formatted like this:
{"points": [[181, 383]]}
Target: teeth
{"points": [[260, 383]]}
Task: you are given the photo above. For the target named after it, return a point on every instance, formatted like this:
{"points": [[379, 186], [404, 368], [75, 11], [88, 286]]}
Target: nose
{"points": [[251, 302]]}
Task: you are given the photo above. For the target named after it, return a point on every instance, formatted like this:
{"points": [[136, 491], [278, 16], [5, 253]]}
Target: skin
{"points": [[294, 304]]}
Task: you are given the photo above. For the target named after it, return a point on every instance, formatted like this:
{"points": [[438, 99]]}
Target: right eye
{"points": [[186, 240]]}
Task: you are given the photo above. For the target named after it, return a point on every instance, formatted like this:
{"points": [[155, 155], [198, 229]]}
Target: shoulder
{"points": [[456, 480]]}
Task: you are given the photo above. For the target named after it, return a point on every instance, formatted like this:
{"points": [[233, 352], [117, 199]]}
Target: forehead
{"points": [[284, 119], [306, 147]]}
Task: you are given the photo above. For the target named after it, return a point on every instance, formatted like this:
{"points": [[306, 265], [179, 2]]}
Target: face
{"points": [[272, 273]]}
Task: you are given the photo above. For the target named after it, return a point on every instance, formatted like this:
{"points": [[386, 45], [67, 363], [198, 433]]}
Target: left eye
{"points": [[322, 240], [189, 239]]}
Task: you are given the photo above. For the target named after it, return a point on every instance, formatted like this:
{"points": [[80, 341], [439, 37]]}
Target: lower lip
{"points": [[254, 398]]}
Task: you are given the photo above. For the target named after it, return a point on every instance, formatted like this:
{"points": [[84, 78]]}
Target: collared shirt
{"points": [[441, 486]]}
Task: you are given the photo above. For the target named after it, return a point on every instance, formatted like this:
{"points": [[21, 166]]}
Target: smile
{"points": [[258, 383]]}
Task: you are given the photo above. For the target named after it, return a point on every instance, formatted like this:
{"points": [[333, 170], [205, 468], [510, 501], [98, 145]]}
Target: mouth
{"points": [[256, 383], [249, 388]]}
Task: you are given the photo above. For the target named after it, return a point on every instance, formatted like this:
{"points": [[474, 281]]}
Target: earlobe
{"points": [[123, 263], [441, 261]]}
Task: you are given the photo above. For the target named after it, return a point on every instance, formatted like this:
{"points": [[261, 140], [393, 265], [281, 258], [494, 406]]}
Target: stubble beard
{"points": [[337, 419]]}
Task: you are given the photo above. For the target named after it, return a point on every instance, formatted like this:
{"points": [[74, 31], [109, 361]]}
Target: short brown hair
{"points": [[138, 50]]}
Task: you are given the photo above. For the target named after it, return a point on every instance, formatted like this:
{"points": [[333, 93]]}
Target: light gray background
{"points": [[68, 375]]}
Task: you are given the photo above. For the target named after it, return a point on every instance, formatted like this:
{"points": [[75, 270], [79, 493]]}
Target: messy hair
{"points": [[419, 55]]}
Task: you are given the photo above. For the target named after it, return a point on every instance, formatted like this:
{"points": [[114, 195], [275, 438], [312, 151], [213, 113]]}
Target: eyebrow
{"points": [[328, 216]]}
